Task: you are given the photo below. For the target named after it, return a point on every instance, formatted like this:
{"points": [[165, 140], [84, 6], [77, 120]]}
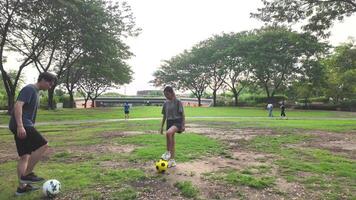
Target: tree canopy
{"points": [[318, 14]]}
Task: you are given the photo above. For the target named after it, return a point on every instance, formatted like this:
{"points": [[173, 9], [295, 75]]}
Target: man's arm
{"points": [[162, 124], [21, 132]]}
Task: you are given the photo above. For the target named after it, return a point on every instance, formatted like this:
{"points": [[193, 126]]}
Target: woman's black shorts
{"points": [[175, 122], [33, 141]]}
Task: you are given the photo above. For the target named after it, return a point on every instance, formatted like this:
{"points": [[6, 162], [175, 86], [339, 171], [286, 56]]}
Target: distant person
{"points": [[283, 110], [30, 144], [270, 108], [173, 113], [127, 110]]}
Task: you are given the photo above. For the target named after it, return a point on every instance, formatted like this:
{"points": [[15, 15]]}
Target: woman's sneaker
{"points": [[166, 155], [28, 188], [31, 178], [172, 163]]}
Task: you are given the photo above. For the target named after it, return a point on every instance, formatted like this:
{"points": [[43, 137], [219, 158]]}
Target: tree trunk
{"points": [[10, 103], [92, 103], [236, 97], [305, 103], [50, 103], [71, 99], [199, 101], [85, 103], [214, 98]]}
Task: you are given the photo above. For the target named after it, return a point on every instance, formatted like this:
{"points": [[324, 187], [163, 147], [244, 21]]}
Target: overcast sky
{"points": [[170, 26]]}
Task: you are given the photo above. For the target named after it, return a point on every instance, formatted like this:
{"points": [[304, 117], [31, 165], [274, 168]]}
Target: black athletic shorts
{"points": [[127, 112], [33, 141], [175, 122]]}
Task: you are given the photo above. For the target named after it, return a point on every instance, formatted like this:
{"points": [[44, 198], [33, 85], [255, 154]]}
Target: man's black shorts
{"points": [[127, 112], [32, 142], [175, 122]]}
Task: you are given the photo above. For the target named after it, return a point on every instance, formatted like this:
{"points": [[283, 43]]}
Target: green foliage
{"points": [[112, 94], [319, 14], [341, 68], [262, 99], [322, 99], [275, 54]]}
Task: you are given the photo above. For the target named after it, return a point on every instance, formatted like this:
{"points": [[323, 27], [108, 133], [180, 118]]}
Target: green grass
{"points": [[245, 178], [188, 146], [187, 189], [317, 169], [239, 117], [126, 193], [73, 176], [80, 172], [326, 124], [155, 111]]}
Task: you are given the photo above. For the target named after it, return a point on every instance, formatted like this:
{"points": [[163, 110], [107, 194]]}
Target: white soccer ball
{"points": [[51, 188]]}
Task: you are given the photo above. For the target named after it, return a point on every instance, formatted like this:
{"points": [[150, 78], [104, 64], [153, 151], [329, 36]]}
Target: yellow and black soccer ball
{"points": [[161, 166]]}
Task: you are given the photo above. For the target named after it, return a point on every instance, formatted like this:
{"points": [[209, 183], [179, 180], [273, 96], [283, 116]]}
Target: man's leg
{"points": [[170, 140], [35, 157], [22, 165]]}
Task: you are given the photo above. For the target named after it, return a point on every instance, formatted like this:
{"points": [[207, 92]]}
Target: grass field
{"points": [[225, 153]]}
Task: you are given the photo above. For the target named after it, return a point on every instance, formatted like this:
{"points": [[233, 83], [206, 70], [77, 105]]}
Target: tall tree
{"points": [[101, 75], [320, 14], [88, 36], [187, 71], [71, 80], [341, 72], [23, 29], [204, 51], [230, 55], [278, 56]]}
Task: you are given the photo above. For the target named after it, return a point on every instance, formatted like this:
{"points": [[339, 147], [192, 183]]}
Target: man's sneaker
{"points": [[166, 155], [28, 188], [31, 178], [172, 163]]}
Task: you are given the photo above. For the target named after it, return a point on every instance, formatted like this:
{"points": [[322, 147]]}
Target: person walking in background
{"points": [[173, 113], [30, 144], [127, 110], [283, 110], [270, 108]]}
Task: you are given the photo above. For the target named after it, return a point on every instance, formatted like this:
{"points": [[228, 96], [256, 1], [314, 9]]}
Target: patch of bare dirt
{"points": [[230, 134], [194, 172], [240, 159], [157, 188], [339, 143], [8, 152]]}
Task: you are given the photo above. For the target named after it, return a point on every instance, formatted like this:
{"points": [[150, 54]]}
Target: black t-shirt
{"points": [[173, 109], [30, 96]]}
